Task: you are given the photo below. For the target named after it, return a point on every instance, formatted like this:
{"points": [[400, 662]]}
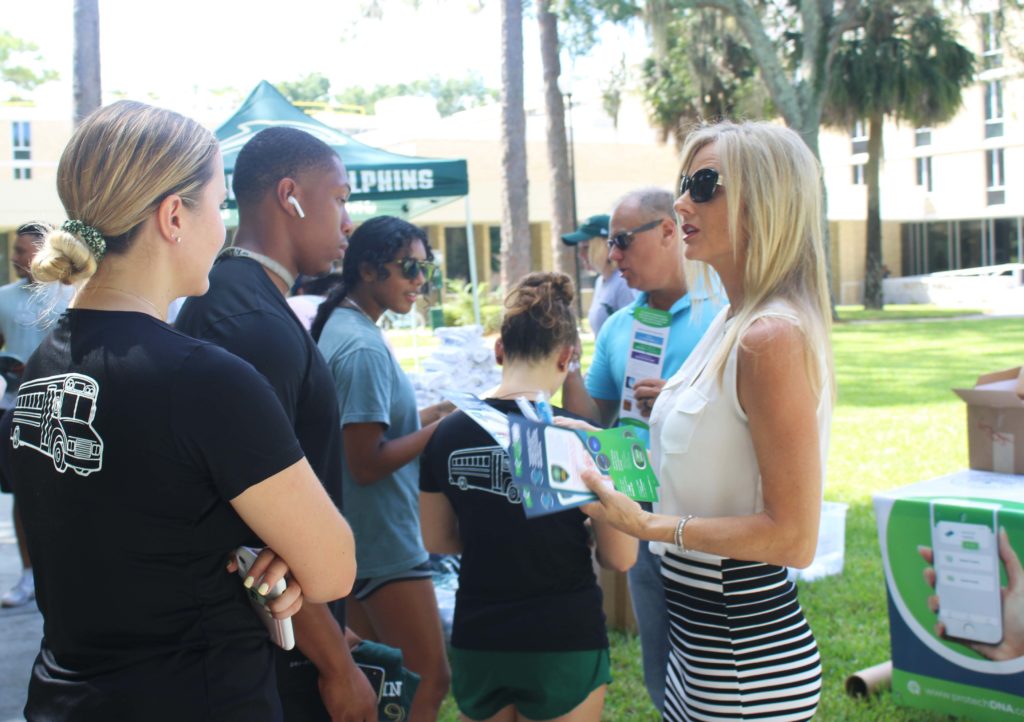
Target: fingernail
{"points": [[264, 588], [249, 581], [921, 548]]}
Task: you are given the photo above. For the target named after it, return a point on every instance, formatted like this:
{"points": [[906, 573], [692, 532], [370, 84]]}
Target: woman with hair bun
{"points": [[528, 639], [142, 458], [386, 265]]}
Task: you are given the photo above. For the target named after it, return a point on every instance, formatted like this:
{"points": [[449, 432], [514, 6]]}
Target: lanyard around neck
{"points": [[269, 263]]}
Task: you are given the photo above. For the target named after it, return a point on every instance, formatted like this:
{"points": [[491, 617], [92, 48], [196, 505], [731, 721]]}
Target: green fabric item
{"points": [[395, 685], [92, 238], [541, 685]]}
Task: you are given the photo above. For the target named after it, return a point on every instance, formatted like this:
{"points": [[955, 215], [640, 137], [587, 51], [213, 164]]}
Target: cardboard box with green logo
{"points": [[952, 550]]}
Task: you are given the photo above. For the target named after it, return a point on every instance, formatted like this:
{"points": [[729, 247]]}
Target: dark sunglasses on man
{"points": [[701, 184], [623, 239]]}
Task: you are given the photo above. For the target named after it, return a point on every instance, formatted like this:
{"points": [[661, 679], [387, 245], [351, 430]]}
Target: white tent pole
{"points": [[471, 244], [415, 338]]}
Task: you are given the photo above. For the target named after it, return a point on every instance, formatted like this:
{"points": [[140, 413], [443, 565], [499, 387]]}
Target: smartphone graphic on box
{"points": [[966, 557], [281, 632]]}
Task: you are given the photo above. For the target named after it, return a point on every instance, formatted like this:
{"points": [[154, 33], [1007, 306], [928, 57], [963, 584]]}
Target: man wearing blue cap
{"points": [[610, 290]]}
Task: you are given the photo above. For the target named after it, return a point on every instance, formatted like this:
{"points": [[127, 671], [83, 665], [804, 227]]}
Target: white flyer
{"points": [[646, 358]]}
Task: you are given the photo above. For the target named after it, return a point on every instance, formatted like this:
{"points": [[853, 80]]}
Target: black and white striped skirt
{"points": [[741, 648]]}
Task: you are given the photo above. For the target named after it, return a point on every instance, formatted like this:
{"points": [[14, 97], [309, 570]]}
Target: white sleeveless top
{"points": [[700, 437]]}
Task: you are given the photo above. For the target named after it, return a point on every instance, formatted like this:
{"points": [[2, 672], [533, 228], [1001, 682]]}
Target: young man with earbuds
{"points": [[291, 190]]}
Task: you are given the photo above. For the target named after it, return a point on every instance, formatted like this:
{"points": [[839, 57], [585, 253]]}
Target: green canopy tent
{"points": [[383, 183]]}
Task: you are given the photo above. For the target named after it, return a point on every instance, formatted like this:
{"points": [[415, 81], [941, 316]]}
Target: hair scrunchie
{"points": [[92, 238]]}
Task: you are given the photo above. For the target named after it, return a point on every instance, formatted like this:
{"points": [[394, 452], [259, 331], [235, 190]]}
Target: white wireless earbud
{"points": [[298, 209]]}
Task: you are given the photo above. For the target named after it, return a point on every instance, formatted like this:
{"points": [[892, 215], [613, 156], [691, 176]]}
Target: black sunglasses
{"points": [[701, 184], [623, 239], [411, 268]]}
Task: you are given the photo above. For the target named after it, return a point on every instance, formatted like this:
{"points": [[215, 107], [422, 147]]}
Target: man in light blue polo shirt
{"points": [[645, 243]]}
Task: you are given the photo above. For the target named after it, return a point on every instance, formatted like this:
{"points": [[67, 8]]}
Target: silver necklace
{"points": [[352, 303], [266, 261]]}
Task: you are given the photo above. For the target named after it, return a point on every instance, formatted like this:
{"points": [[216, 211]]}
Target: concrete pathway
{"points": [[20, 629]]}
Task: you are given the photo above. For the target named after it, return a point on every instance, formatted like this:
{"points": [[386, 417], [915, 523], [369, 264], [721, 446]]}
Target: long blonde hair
{"points": [[119, 165], [773, 186]]}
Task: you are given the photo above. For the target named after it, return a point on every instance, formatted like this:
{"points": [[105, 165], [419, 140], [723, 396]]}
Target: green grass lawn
{"points": [[896, 422], [895, 312]]}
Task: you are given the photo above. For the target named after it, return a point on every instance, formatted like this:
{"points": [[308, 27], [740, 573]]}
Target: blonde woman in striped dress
{"points": [[740, 434]]}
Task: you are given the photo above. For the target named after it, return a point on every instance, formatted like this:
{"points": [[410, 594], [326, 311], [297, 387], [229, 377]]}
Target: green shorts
{"points": [[541, 685]]}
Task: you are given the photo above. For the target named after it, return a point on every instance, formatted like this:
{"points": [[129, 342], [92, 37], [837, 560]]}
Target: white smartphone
{"points": [[281, 632], [967, 569]]}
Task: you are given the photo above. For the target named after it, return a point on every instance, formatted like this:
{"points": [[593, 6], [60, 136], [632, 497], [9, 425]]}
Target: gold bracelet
{"points": [[679, 531]]}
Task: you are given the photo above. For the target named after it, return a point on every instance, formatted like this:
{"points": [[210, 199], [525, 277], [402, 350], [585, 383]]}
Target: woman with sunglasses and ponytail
{"points": [[740, 433], [386, 266]]}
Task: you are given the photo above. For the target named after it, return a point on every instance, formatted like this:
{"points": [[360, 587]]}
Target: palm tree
{"points": [[86, 83], [704, 72], [903, 61], [562, 207], [515, 215]]}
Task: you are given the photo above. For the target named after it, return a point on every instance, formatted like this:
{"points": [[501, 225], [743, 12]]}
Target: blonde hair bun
{"points": [[63, 257]]}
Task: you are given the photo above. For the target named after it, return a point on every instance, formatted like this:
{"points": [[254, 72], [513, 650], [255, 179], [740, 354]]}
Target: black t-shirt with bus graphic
{"points": [[127, 442], [524, 584]]}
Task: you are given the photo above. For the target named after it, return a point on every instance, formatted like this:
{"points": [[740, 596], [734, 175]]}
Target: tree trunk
{"points": [[562, 211], [86, 83], [873, 260], [515, 216]]}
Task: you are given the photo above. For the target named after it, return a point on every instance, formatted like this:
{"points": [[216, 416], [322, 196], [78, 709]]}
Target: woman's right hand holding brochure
{"points": [[612, 506], [1012, 645]]}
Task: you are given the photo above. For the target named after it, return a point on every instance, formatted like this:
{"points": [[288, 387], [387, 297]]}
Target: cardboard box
{"points": [[995, 422], [956, 520]]}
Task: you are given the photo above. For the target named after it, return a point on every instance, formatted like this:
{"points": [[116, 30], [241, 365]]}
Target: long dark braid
{"points": [[375, 243]]}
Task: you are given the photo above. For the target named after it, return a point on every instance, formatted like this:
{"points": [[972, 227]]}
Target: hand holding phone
{"points": [[281, 632]]}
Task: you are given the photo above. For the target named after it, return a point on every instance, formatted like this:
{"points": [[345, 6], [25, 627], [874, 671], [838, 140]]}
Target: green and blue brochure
{"points": [[548, 463]]}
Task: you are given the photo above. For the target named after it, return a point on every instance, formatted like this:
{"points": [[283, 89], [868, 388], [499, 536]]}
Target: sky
{"points": [[179, 51]]}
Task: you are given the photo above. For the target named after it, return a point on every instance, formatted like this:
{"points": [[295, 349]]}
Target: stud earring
{"points": [[177, 239]]}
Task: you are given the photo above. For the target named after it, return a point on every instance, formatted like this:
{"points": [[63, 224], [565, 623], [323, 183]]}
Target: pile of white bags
{"points": [[464, 361]]}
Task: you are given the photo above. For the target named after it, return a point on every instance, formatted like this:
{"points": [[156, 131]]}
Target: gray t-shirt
{"points": [[372, 388], [609, 297]]}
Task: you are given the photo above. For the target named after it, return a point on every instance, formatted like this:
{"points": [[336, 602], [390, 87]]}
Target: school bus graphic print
{"points": [[54, 416], [484, 468]]}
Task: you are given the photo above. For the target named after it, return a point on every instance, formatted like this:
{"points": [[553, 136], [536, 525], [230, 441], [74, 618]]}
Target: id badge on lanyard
{"points": [[647, 348]]}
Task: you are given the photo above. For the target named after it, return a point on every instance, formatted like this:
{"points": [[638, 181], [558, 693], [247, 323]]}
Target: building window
{"points": [[924, 172], [21, 143], [994, 109], [922, 136], [994, 174], [991, 40], [858, 174], [859, 138]]}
